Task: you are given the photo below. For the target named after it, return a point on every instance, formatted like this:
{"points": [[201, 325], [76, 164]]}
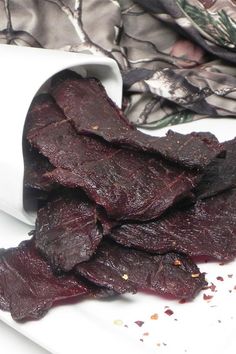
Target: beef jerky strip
{"points": [[127, 184], [36, 166], [42, 112], [66, 230], [220, 174], [206, 229], [28, 287], [124, 269], [85, 102]]}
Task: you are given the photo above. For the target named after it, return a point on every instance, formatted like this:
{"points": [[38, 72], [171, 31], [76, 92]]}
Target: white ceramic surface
{"points": [[108, 326], [23, 71]]}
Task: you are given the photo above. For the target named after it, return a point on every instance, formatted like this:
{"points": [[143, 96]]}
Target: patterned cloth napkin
{"points": [[177, 57]]}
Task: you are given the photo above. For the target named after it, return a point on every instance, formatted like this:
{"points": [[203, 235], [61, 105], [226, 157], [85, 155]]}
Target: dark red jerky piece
{"points": [[66, 231], [129, 185], [28, 287], [124, 269], [220, 174], [86, 104], [206, 229], [36, 166], [42, 111]]}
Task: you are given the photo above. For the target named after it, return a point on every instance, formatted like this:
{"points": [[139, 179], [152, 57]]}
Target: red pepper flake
{"points": [[220, 278], [146, 334], [139, 323], [207, 297], [212, 287], [230, 275], [169, 312], [154, 316], [182, 301], [234, 287], [177, 262]]}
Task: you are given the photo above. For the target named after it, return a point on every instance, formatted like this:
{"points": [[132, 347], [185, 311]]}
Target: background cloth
{"points": [[177, 58]]}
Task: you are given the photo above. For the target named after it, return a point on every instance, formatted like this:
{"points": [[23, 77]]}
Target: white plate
{"points": [[108, 326]]}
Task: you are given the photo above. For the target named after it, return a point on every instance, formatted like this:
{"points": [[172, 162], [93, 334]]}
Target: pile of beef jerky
{"points": [[120, 211]]}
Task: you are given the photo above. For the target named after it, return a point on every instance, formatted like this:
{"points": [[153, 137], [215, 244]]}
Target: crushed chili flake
{"points": [[154, 316], [158, 344], [177, 262], [139, 323], [212, 287], [169, 312], [234, 287], [182, 301], [146, 334], [207, 297], [220, 278]]}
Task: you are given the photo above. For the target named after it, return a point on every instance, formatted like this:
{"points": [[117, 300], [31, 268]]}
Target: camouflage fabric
{"points": [[177, 57]]}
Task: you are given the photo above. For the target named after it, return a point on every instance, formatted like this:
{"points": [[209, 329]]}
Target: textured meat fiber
{"points": [[42, 111], [220, 174], [36, 166], [86, 104], [66, 231], [129, 185], [28, 287], [123, 269], [206, 229]]}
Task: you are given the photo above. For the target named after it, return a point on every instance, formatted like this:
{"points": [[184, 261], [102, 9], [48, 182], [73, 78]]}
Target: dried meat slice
{"points": [[67, 231], [124, 269], [220, 175], [28, 287], [86, 104], [36, 166], [208, 228], [129, 185], [42, 111]]}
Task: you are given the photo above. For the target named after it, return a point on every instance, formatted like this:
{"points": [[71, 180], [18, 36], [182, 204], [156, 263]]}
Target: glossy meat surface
{"points": [[66, 230], [129, 185], [124, 269], [28, 287], [206, 229], [86, 104], [220, 174]]}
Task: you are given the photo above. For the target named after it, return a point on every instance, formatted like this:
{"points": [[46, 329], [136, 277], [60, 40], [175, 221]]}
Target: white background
{"points": [[13, 342]]}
